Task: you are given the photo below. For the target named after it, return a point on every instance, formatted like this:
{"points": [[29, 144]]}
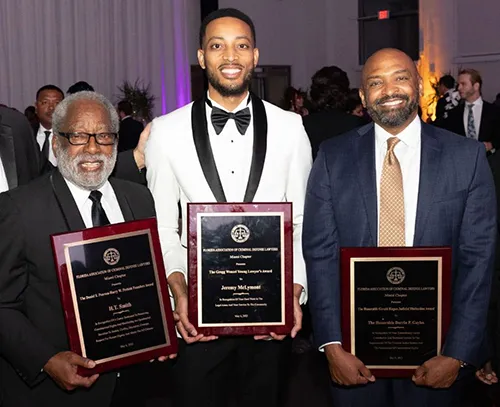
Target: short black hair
{"points": [[126, 107], [226, 12], [353, 100], [448, 81], [79, 87], [329, 88], [30, 109], [49, 87]]}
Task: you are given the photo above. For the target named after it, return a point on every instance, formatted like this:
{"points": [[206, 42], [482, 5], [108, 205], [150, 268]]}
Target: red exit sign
{"points": [[384, 14]]}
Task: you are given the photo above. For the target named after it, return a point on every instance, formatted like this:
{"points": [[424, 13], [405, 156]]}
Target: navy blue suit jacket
{"points": [[456, 207]]}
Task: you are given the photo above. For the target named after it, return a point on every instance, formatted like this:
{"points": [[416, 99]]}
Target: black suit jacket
{"points": [[326, 124], [489, 129], [18, 151], [494, 311], [31, 317], [130, 130]]}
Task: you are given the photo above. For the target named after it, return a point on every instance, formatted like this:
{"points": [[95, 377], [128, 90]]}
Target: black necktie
{"points": [[46, 144], [99, 217], [220, 117]]}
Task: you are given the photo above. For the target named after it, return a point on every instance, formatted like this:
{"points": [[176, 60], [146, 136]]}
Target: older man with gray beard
{"points": [[36, 367]]}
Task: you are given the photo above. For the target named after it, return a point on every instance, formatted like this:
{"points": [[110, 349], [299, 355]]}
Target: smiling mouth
{"points": [[90, 165], [231, 72], [393, 103]]}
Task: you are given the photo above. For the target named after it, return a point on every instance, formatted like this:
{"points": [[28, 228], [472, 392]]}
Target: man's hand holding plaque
{"points": [[63, 368], [188, 332], [297, 318], [486, 374], [345, 368], [440, 372]]}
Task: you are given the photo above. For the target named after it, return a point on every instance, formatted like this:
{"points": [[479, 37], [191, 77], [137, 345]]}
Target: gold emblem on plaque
{"points": [[240, 233], [396, 275], [111, 256]]}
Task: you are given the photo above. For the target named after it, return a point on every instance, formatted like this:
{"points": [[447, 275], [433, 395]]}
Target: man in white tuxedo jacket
{"points": [[201, 153]]}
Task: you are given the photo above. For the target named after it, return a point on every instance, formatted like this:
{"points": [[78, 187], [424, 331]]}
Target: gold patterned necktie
{"points": [[392, 203]]}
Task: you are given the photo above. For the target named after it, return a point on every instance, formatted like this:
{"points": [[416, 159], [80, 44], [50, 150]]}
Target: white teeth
{"points": [[91, 165], [231, 71], [393, 103]]}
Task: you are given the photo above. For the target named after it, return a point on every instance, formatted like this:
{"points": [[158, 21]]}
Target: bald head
{"points": [[384, 58], [391, 89]]}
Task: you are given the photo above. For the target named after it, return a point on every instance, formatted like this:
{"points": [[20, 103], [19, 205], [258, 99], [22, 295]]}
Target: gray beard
{"points": [[395, 118], [68, 167]]}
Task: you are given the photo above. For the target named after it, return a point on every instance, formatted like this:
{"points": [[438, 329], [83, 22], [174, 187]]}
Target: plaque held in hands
{"points": [[396, 306], [114, 294], [240, 268]]}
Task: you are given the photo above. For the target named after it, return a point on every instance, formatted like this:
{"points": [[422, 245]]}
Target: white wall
{"points": [[461, 34], [478, 41], [342, 30], [308, 34], [289, 32]]}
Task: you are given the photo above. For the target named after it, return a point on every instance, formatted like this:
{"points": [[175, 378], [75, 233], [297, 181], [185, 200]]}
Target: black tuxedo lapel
{"points": [[364, 149], [259, 148], [429, 167], [204, 149], [66, 202], [206, 157], [8, 155], [123, 201]]}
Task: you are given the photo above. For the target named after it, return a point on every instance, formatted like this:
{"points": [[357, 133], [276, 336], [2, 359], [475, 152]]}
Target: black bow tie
{"points": [[220, 117]]}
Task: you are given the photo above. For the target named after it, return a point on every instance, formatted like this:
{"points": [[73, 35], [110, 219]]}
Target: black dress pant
{"points": [[231, 371], [144, 385]]}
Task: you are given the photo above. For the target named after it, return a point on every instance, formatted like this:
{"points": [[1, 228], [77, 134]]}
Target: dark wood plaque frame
{"points": [[346, 254], [287, 273], [112, 232]]}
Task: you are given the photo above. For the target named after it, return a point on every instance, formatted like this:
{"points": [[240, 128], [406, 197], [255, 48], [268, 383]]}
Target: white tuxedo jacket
{"points": [[180, 167]]}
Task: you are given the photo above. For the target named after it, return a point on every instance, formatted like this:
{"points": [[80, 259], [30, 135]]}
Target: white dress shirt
{"points": [[108, 201], [232, 153], [40, 138], [477, 111], [4, 186], [175, 174], [407, 152]]}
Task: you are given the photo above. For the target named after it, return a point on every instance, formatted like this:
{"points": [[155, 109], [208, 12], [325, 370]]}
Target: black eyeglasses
{"points": [[80, 139]]}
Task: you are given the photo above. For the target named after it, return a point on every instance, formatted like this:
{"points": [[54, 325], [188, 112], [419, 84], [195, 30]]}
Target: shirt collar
{"points": [[409, 136], [42, 129], [126, 117], [81, 195], [246, 102], [477, 102]]}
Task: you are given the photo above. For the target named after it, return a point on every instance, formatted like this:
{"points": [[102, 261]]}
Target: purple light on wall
{"points": [[164, 109], [182, 74]]}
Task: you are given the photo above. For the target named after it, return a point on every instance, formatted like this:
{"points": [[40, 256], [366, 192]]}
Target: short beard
{"points": [[68, 167], [394, 117], [230, 91]]}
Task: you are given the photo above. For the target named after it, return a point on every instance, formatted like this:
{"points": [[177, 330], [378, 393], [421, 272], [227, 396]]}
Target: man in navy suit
{"points": [[449, 200]]}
